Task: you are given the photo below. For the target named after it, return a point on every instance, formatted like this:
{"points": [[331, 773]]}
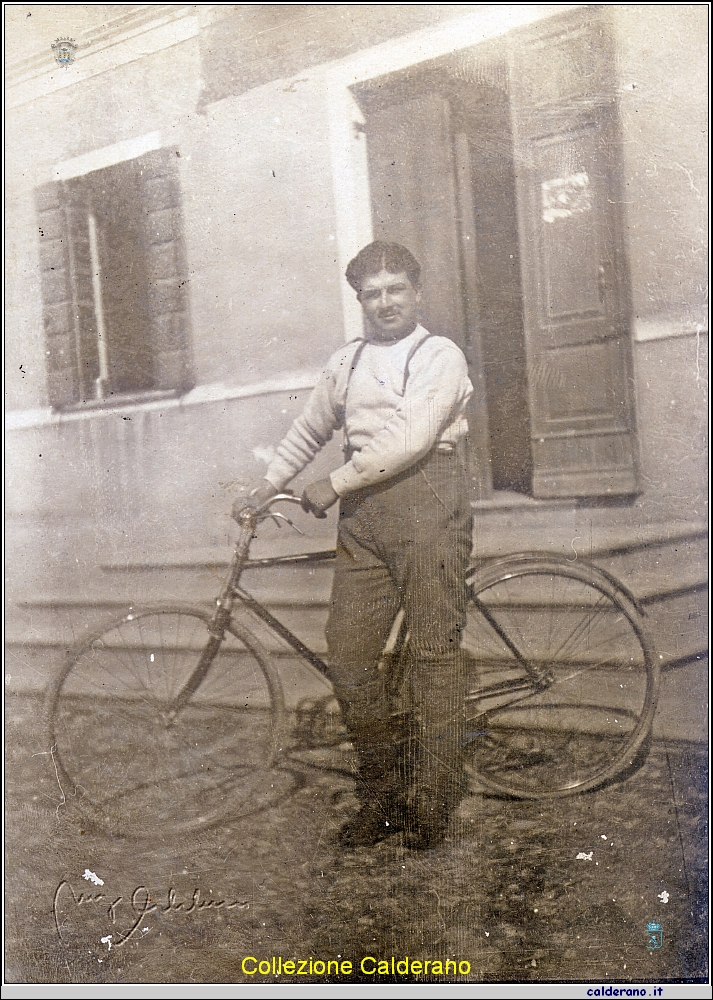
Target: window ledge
{"points": [[118, 399], [218, 392]]}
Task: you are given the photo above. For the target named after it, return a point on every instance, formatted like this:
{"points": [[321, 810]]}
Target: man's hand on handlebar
{"points": [[318, 496], [257, 496]]}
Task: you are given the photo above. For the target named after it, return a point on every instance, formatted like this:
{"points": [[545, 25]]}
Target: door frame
{"points": [[350, 174]]}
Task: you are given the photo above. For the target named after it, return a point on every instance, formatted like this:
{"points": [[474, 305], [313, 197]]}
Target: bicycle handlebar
{"points": [[250, 517], [290, 497]]}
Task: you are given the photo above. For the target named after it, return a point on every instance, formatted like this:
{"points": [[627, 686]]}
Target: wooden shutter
{"points": [[77, 204], [67, 297], [58, 307], [136, 208], [574, 275], [166, 270], [418, 176]]}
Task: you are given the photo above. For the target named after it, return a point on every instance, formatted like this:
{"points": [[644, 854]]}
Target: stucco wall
{"points": [[662, 57], [259, 214], [663, 74], [671, 396], [120, 485]]}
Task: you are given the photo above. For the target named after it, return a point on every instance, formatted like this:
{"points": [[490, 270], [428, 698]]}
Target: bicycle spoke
{"points": [[586, 623], [117, 742], [581, 634]]}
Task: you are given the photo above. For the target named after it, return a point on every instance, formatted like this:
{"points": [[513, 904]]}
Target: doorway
{"points": [[441, 169]]}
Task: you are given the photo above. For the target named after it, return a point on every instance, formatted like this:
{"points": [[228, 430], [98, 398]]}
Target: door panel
{"points": [[442, 183], [566, 60], [578, 384], [573, 267]]}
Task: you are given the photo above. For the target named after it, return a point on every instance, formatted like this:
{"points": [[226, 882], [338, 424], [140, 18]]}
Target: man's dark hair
{"points": [[381, 256]]}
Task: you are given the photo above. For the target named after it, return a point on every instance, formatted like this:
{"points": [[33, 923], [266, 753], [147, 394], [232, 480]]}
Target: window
{"points": [[499, 167], [113, 271]]}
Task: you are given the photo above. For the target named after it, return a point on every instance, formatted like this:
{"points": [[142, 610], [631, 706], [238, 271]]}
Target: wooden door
{"points": [[511, 200], [574, 275]]}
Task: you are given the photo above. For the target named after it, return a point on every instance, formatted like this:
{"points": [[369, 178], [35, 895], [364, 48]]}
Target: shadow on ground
{"points": [[521, 891]]}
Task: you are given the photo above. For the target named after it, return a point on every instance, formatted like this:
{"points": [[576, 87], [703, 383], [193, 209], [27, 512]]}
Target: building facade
{"points": [[183, 198]]}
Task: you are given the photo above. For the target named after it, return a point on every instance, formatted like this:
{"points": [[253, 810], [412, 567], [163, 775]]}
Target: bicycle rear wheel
{"points": [[566, 678], [132, 767]]}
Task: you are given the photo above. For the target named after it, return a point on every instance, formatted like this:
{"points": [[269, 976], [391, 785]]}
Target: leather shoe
{"points": [[368, 827]]}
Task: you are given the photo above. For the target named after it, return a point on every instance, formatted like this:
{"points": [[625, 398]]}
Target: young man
{"points": [[404, 539]]}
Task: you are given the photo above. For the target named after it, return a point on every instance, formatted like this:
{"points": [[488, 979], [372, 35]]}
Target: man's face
{"points": [[390, 304]]}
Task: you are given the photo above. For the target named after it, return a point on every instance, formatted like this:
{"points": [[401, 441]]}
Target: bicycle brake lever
{"points": [[277, 517], [291, 524]]}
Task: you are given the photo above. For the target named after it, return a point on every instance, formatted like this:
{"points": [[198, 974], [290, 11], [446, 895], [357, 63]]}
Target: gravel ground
{"points": [[506, 894]]}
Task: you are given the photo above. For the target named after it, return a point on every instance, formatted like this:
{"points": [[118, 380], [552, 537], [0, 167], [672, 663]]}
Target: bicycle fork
{"points": [[221, 617]]}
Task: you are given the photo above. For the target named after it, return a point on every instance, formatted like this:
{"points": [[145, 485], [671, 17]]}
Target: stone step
{"points": [[658, 568], [664, 566], [30, 668], [676, 625], [66, 622], [198, 583], [674, 620], [555, 523]]}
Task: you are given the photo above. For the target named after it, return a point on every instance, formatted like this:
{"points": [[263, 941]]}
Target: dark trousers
{"points": [[405, 543]]}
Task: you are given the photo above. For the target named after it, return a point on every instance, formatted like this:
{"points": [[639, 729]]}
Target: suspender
{"points": [[414, 347], [361, 344]]}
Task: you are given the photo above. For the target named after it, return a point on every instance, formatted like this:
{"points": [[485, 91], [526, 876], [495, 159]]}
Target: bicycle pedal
{"points": [[315, 723]]}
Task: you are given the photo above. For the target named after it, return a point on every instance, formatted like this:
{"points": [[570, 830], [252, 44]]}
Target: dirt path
{"points": [[506, 894]]}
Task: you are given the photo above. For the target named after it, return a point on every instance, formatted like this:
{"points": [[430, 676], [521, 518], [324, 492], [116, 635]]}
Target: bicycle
{"points": [[179, 714]]}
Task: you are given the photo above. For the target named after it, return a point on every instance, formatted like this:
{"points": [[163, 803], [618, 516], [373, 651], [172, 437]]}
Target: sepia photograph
{"points": [[356, 516]]}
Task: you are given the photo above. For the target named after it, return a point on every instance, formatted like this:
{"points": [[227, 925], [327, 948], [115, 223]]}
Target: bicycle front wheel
{"points": [[566, 678], [128, 762]]}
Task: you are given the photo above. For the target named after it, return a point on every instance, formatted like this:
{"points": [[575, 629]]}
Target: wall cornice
{"points": [[143, 30]]}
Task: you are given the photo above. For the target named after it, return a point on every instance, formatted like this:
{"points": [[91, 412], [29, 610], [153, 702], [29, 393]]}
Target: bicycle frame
{"points": [[248, 519], [232, 591]]}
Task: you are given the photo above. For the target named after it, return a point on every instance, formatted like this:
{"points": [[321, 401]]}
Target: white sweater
{"points": [[391, 418]]}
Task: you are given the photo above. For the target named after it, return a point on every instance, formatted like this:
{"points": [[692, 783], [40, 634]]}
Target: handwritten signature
{"points": [[141, 903]]}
